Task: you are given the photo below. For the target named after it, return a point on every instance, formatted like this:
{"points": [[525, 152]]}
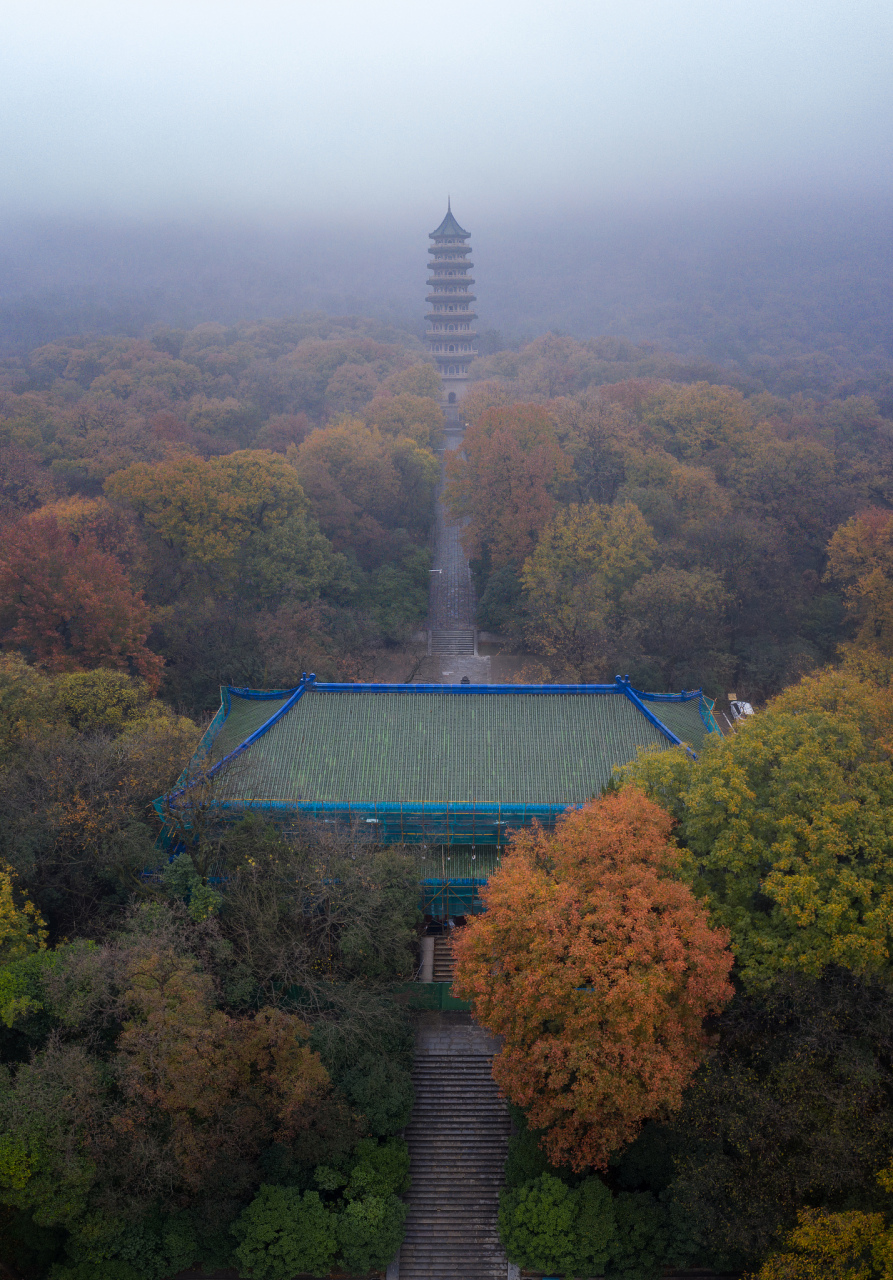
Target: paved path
{"points": [[452, 602]]}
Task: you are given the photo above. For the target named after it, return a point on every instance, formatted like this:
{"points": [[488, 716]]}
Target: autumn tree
{"points": [[68, 604], [485, 395], [242, 519], [364, 485], [597, 434], [701, 421], [860, 558], [506, 481], [789, 828], [24, 484], [417, 379], [82, 756], [22, 929], [419, 418], [282, 430], [598, 967], [140, 1120], [849, 1245], [676, 619], [585, 559], [204, 1093]]}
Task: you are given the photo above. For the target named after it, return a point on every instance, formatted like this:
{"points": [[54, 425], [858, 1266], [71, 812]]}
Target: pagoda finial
{"points": [[448, 205]]}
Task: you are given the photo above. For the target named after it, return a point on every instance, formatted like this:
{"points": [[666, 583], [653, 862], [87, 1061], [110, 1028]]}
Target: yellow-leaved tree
{"points": [[585, 559], [22, 929], [860, 558], [789, 827]]}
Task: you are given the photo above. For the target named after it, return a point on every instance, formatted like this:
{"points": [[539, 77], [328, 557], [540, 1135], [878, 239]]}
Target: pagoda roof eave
{"points": [[448, 228]]}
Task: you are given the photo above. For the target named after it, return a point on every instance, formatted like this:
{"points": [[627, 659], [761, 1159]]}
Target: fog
{"points": [[712, 177], [727, 282], [349, 109]]}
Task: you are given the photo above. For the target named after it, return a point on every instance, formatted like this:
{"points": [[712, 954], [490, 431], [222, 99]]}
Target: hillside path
{"points": [[452, 603]]}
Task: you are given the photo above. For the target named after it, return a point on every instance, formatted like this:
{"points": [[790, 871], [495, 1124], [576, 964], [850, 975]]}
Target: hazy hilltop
{"points": [[793, 298]]}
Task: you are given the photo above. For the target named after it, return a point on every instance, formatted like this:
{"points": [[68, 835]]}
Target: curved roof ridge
{"points": [[449, 226]]}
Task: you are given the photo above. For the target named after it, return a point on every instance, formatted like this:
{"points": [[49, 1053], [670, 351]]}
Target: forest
{"points": [[237, 504], [257, 500]]}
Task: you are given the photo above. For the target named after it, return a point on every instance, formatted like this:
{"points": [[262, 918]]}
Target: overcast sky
{"points": [[340, 108]]}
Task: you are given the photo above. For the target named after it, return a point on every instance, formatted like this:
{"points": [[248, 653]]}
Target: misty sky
{"points": [[333, 108]]}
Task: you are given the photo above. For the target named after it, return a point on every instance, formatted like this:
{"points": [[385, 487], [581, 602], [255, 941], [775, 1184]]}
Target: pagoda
{"points": [[451, 316]]}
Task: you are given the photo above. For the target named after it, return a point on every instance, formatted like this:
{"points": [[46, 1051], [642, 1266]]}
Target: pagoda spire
{"points": [[450, 334]]}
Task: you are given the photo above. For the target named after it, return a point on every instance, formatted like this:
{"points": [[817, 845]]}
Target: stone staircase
{"points": [[458, 1138], [453, 644], [444, 961]]}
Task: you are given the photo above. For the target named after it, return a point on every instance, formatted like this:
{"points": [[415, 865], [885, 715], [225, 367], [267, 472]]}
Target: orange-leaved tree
{"points": [[69, 605], [506, 481], [202, 1093], [598, 968]]}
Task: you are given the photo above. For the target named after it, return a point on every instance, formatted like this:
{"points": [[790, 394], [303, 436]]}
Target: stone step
{"points": [[434, 1252], [458, 1139], [439, 1148], [470, 1076], [430, 1089], [429, 1152], [443, 1101], [466, 1072], [435, 1248], [453, 644], [442, 1106], [484, 1191], [474, 1082]]}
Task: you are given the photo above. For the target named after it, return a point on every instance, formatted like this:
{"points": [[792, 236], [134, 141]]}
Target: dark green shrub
{"points": [[500, 601], [284, 1232], [644, 1243], [27, 1249], [525, 1160], [596, 1228], [547, 1225], [379, 1170], [110, 1269], [106, 1248], [382, 1089], [370, 1231], [539, 1224]]}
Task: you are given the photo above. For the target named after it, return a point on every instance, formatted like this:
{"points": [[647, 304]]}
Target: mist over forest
{"points": [[241, 482], [797, 296]]}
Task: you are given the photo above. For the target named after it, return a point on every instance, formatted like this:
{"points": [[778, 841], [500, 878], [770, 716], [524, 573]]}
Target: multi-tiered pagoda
{"points": [[451, 316]]}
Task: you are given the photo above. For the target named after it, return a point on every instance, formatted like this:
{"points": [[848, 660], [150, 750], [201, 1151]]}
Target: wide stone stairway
{"points": [[453, 644], [458, 1138]]}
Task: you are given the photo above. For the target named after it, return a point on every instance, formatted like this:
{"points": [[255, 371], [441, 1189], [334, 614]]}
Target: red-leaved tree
{"points": [[598, 968], [69, 605]]}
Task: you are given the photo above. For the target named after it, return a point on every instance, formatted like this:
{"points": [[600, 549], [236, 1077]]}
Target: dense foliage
{"points": [[220, 505], [588, 938], [673, 528], [186, 1057], [772, 1150], [788, 831], [208, 1062], [269, 488]]}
